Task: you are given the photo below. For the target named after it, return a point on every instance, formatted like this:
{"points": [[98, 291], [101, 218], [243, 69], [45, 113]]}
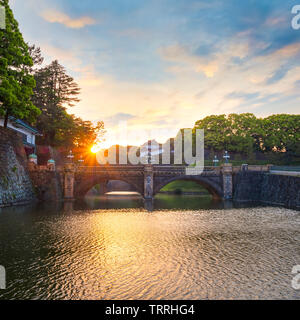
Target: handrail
{"points": [[285, 168]]}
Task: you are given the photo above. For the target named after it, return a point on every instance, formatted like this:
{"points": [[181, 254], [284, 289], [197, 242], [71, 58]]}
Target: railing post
{"points": [[227, 181], [244, 167]]}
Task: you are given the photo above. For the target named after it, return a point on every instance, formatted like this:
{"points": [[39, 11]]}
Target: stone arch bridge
{"points": [[148, 180], [245, 183]]}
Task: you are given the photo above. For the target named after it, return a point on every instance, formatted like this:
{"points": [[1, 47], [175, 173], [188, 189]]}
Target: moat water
{"points": [[112, 248]]}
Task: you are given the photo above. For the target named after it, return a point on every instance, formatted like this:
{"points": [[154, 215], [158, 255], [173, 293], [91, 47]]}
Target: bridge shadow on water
{"points": [[130, 201], [160, 202]]}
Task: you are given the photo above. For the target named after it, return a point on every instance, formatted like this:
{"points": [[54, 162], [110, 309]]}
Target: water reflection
{"points": [[133, 201], [123, 200], [59, 251]]}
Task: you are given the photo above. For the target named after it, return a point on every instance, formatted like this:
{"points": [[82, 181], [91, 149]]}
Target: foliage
{"points": [[16, 82], [245, 134], [183, 186], [55, 90], [36, 56], [216, 131]]}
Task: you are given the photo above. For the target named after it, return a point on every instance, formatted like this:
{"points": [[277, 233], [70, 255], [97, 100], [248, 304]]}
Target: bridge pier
{"points": [[227, 172], [69, 179], [148, 182]]}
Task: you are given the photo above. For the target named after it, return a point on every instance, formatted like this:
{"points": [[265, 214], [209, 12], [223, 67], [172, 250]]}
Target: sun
{"points": [[95, 149]]}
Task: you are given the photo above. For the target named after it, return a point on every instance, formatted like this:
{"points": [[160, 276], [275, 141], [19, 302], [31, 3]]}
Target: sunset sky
{"points": [[164, 64]]}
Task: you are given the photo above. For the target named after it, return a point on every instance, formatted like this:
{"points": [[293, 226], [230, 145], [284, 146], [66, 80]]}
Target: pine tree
{"points": [[16, 83], [55, 90]]}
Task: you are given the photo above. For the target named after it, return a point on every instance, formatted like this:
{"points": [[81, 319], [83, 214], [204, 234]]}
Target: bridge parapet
{"points": [[109, 169], [263, 168], [32, 167]]}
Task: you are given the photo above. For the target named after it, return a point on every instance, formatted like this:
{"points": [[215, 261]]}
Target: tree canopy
{"points": [[245, 133], [16, 82], [55, 91]]}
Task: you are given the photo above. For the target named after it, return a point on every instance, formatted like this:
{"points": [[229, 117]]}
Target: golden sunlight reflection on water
{"points": [[166, 254]]}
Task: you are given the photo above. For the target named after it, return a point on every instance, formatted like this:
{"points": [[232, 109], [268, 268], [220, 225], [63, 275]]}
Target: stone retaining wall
{"points": [[47, 183], [267, 188], [15, 184]]}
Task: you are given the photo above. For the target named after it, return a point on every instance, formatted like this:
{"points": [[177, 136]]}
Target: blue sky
{"points": [[161, 65]]}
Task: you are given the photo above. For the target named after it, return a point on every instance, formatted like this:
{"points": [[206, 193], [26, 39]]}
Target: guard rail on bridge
{"points": [[285, 168]]}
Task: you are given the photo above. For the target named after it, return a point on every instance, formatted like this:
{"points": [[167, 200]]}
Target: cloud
{"points": [[64, 56], [54, 16], [279, 21], [248, 60], [115, 119], [242, 95], [183, 59], [278, 74]]}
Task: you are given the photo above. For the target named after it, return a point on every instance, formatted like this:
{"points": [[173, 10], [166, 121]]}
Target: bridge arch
{"points": [[84, 186], [213, 188]]}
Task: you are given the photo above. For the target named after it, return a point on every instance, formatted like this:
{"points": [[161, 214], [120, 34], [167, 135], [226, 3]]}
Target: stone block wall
{"points": [[267, 188], [47, 184], [15, 184], [281, 190]]}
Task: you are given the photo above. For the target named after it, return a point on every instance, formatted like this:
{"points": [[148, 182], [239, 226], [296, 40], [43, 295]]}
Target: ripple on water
{"points": [[132, 254]]}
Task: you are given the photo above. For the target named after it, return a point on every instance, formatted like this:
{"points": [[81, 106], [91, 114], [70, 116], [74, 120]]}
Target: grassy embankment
{"points": [[181, 186]]}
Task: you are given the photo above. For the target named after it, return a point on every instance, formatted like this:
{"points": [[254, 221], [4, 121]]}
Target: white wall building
{"points": [[28, 133]]}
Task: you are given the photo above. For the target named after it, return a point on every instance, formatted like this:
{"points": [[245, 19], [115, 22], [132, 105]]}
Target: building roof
{"points": [[21, 123]]}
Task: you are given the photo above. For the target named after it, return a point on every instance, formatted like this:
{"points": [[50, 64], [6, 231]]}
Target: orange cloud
{"points": [[181, 55], [289, 50], [53, 16]]}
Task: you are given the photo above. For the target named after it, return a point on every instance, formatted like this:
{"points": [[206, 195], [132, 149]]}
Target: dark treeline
{"points": [[277, 137]]}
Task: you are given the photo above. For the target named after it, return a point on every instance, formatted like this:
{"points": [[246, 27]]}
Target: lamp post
{"points": [[216, 161], [81, 161], [33, 158], [70, 156], [226, 157]]}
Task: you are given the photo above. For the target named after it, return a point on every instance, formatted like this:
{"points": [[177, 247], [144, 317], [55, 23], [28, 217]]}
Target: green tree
{"points": [[277, 136], [244, 133], [282, 135], [216, 131], [86, 134], [55, 90], [16, 83], [36, 56]]}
